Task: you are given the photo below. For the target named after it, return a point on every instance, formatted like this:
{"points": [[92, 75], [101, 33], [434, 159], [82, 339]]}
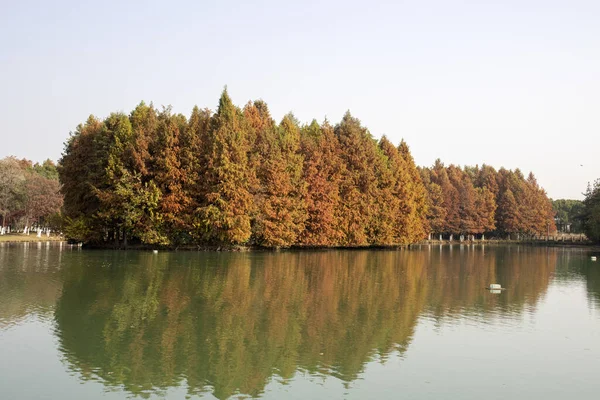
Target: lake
{"points": [[342, 324]]}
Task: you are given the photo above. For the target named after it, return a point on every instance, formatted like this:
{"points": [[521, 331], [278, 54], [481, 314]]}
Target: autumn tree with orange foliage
{"points": [[322, 172]]}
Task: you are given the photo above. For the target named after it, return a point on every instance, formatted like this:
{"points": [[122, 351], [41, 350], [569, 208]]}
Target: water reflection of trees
{"points": [[579, 266], [235, 322], [457, 276], [229, 322], [592, 276], [29, 281]]}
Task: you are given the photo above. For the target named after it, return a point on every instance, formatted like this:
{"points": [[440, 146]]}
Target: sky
{"points": [[505, 83]]}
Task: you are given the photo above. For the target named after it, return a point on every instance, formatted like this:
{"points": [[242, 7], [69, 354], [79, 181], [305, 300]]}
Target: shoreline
{"points": [[532, 243], [15, 239]]}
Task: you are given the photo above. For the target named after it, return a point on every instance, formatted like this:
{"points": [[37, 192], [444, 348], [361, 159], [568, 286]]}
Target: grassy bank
{"points": [[19, 237]]}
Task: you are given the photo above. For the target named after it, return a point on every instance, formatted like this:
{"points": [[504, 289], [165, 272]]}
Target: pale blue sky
{"points": [[508, 83]]}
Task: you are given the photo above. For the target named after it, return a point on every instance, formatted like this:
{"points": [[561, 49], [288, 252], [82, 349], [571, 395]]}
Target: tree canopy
{"points": [[590, 215], [477, 200], [237, 177], [29, 192], [568, 214]]}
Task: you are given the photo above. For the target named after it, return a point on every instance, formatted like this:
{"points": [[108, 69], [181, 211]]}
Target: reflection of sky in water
{"points": [[540, 339]]}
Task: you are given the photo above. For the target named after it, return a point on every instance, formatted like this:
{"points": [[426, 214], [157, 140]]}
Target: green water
{"points": [[415, 324]]}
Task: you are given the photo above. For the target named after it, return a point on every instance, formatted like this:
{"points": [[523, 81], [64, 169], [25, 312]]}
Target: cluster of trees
{"points": [[568, 213], [236, 177], [581, 216], [29, 194], [477, 200], [590, 214]]}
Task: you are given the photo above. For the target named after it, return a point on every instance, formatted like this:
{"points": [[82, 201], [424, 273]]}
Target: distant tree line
{"points": [[568, 213], [478, 200], [590, 214], [29, 194], [236, 177]]}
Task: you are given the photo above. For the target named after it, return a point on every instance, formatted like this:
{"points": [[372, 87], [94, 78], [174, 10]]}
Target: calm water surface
{"points": [[415, 324]]}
